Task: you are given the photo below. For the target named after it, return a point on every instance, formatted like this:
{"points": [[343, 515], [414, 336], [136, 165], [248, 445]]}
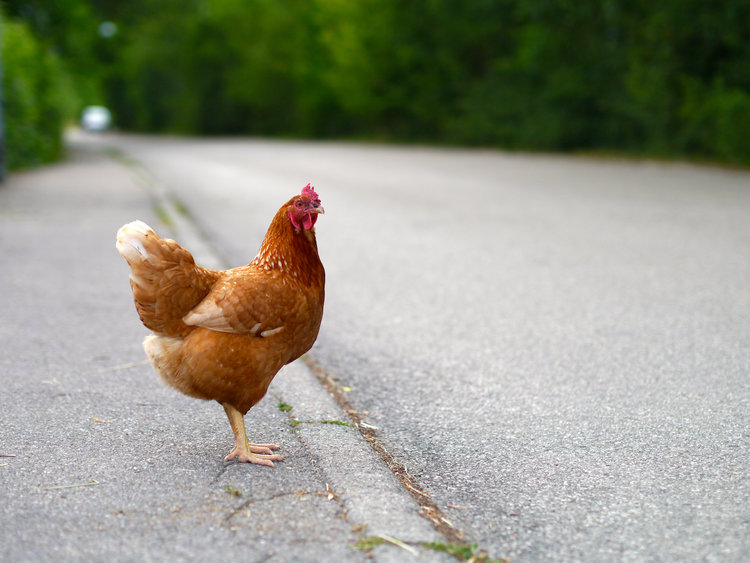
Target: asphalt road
{"points": [[558, 349]]}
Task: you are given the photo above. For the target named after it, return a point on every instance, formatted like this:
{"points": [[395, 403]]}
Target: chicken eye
{"points": [[299, 203]]}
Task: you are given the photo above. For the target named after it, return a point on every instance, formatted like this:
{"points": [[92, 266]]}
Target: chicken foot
{"points": [[243, 450]]}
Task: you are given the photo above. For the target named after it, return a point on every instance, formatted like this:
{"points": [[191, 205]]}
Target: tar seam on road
{"points": [[429, 509]]}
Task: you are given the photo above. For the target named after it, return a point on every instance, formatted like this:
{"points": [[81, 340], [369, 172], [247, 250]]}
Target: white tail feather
{"points": [[129, 241]]}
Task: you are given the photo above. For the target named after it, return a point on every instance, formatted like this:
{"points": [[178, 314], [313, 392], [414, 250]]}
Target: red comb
{"points": [[309, 191]]}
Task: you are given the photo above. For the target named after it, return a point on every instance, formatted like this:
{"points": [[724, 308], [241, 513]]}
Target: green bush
{"points": [[731, 114], [36, 98], [658, 78]]}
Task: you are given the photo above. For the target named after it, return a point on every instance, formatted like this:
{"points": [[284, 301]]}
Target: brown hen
{"points": [[224, 335]]}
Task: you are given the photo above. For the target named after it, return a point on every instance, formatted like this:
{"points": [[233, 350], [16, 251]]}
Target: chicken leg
{"points": [[244, 450]]}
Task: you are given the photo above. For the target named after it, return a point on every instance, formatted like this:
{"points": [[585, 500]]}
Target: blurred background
{"points": [[666, 79]]}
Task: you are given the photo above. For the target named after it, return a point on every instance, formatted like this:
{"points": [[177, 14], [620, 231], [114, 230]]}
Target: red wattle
{"points": [[295, 224]]}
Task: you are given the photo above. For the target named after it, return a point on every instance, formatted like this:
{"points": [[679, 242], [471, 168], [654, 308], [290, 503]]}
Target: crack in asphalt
{"points": [[252, 501]]}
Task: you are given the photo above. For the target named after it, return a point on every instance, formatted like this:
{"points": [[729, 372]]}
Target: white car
{"points": [[96, 118]]}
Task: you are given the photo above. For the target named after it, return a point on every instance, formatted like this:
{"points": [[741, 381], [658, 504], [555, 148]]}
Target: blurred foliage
{"points": [[68, 28], [36, 98], [659, 78], [51, 69]]}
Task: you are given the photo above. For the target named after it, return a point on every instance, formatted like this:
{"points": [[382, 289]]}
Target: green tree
{"points": [[666, 78], [36, 98], [70, 29]]}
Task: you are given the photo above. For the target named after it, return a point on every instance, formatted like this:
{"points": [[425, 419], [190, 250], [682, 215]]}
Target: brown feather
{"points": [[224, 335]]}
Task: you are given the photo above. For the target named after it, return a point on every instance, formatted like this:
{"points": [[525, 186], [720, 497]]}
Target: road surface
{"points": [[557, 349]]}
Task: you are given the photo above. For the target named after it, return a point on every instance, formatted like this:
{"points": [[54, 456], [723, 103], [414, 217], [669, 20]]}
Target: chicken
{"points": [[224, 335]]}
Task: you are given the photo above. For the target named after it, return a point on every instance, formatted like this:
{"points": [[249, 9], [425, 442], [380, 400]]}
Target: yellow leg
{"points": [[244, 450]]}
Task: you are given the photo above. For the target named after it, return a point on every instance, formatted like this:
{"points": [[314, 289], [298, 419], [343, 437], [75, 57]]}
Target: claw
{"points": [[262, 448], [250, 457]]}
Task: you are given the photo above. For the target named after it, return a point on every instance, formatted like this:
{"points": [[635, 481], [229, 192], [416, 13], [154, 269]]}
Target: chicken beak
{"points": [[319, 209]]}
